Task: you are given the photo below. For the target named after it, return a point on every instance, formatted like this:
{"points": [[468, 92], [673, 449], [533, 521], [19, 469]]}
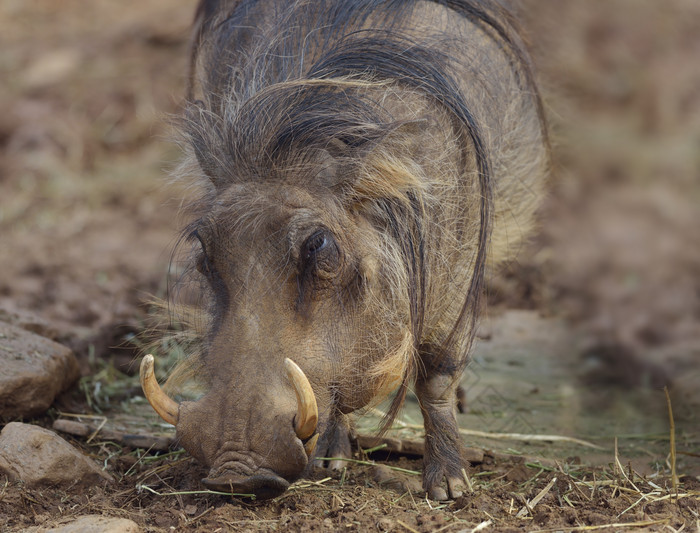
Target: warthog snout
{"points": [[236, 469], [264, 486]]}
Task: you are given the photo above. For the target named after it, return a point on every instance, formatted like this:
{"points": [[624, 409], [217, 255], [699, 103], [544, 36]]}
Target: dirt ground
{"points": [[88, 221]]}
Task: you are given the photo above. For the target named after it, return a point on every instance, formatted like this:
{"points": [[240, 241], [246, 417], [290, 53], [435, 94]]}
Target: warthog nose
{"points": [[263, 486]]}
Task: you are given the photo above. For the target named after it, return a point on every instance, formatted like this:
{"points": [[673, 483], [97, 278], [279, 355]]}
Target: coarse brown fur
{"points": [[360, 163]]}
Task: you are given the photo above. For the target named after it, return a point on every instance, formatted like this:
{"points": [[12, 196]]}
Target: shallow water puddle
{"points": [[530, 377]]}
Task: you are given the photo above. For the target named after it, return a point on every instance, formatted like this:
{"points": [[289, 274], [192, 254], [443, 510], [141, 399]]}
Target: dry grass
{"points": [[505, 491]]}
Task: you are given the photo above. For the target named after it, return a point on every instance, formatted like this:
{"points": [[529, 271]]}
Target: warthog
{"points": [[360, 163]]}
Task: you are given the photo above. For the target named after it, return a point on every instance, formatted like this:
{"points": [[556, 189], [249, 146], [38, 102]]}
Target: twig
{"points": [[605, 526], [97, 430], [672, 425], [641, 499], [192, 520], [81, 429], [305, 484], [529, 506], [504, 436], [369, 463], [481, 526], [468, 481], [186, 492], [618, 466], [409, 528], [375, 448], [527, 437], [571, 481], [78, 415]]}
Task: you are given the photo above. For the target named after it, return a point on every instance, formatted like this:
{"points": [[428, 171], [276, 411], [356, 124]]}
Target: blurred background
{"points": [[88, 218]]}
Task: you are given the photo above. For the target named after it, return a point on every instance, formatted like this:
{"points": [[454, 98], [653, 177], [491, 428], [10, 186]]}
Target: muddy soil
{"points": [[88, 221], [162, 497]]}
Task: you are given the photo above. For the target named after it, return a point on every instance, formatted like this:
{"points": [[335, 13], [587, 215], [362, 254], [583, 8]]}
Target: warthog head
{"points": [[295, 282]]}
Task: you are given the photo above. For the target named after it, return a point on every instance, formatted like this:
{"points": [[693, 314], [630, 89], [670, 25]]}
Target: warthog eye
{"points": [[320, 261], [314, 244], [320, 253], [202, 262]]}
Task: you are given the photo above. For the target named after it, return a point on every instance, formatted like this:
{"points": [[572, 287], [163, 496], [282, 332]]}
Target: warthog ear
{"points": [[199, 122], [328, 160], [339, 161], [328, 174], [392, 168]]}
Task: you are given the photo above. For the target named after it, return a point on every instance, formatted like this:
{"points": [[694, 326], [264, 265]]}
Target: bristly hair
{"points": [[315, 77]]}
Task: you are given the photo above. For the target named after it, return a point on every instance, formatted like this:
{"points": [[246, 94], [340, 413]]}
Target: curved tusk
{"points": [[310, 445], [307, 412], [161, 403]]}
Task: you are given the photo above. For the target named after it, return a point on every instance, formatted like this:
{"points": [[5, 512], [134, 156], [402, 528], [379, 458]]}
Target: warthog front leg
{"points": [[443, 458], [334, 443]]}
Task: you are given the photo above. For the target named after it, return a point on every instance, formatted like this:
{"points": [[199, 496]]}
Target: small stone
{"points": [[385, 524], [38, 457], [92, 523], [34, 370]]}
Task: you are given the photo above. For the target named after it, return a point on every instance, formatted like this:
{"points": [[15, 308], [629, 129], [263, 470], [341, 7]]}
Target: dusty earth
{"points": [[88, 221]]}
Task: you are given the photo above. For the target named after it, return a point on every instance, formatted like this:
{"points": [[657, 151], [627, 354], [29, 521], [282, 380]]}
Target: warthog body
{"points": [[361, 163]]}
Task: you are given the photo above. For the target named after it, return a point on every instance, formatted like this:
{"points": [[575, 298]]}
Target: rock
{"points": [[95, 524], [34, 370], [38, 457], [395, 480], [28, 321]]}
